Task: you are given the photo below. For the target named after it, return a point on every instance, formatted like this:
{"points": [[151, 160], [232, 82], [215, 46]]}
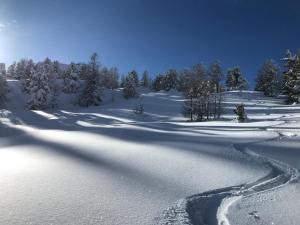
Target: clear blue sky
{"points": [[150, 34]]}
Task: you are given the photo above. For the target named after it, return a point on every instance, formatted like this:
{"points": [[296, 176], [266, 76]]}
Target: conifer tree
{"points": [[3, 88], [91, 95], [216, 75], [71, 79], [235, 80], [292, 77], [129, 90], [145, 79], [41, 94], [170, 80], [268, 78]]}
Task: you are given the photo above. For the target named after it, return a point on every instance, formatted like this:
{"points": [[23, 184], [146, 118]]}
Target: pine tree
{"points": [[71, 79], [292, 77], [129, 90], [57, 69], [3, 88], [145, 79], [267, 78], [25, 79], [216, 75], [20, 70], [158, 83], [91, 95], [11, 70], [133, 76], [235, 80], [41, 94], [171, 80]]}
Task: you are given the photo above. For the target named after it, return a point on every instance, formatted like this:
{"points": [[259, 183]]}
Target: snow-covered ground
{"points": [[107, 165]]}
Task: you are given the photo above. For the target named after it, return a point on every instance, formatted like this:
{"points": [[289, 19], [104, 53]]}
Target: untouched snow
{"points": [[107, 165]]}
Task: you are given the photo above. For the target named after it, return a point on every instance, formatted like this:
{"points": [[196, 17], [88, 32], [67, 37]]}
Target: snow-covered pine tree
{"points": [[291, 74], [40, 93], [59, 73], [129, 90], [158, 83], [29, 66], [170, 80], [20, 69], [83, 71], [216, 75], [71, 79], [91, 95], [3, 88], [145, 82], [11, 70], [133, 76], [235, 80], [267, 78]]}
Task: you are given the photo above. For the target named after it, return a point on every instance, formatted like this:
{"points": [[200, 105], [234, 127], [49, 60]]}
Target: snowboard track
{"points": [[210, 208]]}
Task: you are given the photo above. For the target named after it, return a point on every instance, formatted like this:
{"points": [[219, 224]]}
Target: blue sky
{"points": [[150, 34]]}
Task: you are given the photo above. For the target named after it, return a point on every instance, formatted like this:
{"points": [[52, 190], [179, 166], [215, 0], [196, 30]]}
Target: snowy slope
{"points": [[107, 165]]}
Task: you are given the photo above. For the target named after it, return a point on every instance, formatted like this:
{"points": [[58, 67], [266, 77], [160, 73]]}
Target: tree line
{"points": [[201, 86]]}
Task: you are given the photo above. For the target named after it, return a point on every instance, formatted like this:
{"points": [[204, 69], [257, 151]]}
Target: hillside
{"points": [[108, 165]]}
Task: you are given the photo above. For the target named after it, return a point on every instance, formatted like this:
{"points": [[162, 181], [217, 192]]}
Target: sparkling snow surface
{"points": [[107, 165]]}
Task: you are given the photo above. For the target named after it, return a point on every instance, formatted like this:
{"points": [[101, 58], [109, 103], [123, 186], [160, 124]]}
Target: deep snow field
{"points": [[107, 165]]}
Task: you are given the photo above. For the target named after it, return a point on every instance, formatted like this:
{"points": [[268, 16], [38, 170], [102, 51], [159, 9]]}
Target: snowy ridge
{"points": [[211, 208]]}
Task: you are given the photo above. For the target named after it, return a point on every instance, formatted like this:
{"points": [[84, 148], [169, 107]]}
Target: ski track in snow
{"points": [[211, 208]]}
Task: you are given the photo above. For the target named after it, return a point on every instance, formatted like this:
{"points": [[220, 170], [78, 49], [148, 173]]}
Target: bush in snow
{"points": [[91, 95], [41, 88], [291, 74], [240, 112], [71, 79], [3, 88], [139, 109], [235, 80]]}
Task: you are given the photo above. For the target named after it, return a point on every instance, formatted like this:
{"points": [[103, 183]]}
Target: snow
{"points": [[107, 165]]}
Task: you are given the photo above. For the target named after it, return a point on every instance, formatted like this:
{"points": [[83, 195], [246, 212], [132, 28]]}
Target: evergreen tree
{"points": [[129, 90], [11, 70], [57, 70], [267, 78], [41, 94], [25, 79], [3, 88], [91, 95], [292, 77], [235, 80], [216, 75], [133, 76], [170, 80], [158, 83], [20, 70], [71, 79], [145, 79]]}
